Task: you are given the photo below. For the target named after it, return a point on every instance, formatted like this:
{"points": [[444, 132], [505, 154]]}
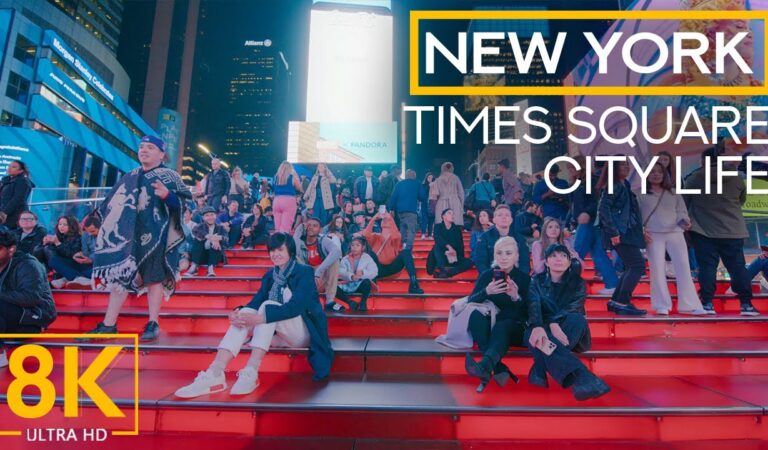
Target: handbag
{"points": [[470, 200]]}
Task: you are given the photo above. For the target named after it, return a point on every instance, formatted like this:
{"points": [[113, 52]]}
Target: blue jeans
{"points": [[757, 266], [70, 269], [589, 240]]}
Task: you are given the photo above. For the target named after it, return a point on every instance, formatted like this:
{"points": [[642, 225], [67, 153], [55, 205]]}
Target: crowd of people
{"points": [[340, 235]]}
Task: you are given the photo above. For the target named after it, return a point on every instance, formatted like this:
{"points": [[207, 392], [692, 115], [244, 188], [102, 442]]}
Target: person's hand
{"points": [[512, 290], [646, 237], [616, 240], [496, 287], [566, 233], [534, 226], [160, 189], [215, 245], [493, 203], [763, 255], [248, 320], [55, 240], [223, 199], [583, 218], [359, 274], [558, 333], [536, 234], [538, 336], [3, 217], [246, 232], [225, 225], [686, 226], [318, 282], [47, 240]]}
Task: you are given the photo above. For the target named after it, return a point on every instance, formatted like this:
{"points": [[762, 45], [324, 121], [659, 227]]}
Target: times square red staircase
{"points": [[677, 381]]}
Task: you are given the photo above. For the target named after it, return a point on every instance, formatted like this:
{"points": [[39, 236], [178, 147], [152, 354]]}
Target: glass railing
{"points": [[52, 203]]}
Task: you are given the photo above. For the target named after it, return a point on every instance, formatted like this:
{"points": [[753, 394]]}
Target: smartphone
{"points": [[547, 347], [382, 209], [499, 274]]}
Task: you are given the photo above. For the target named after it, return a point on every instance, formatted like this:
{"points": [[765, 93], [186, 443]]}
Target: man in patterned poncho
{"points": [[136, 248]]}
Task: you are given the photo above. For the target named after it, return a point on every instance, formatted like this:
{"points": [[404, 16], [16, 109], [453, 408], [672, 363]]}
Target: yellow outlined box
{"points": [[134, 337], [416, 89]]}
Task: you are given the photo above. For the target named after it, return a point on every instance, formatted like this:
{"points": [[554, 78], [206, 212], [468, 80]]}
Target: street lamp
{"points": [[204, 148]]}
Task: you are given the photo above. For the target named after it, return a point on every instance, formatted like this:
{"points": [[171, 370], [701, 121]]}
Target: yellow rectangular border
{"points": [[416, 89], [135, 337]]}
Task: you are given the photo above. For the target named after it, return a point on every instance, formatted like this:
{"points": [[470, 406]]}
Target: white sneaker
{"points": [[3, 359], [59, 283], [694, 312], [80, 281], [192, 271], [205, 383], [669, 270], [606, 291], [247, 381], [211, 273], [662, 312]]}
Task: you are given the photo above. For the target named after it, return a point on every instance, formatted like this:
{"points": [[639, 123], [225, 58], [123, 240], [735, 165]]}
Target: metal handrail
{"points": [[74, 200]]}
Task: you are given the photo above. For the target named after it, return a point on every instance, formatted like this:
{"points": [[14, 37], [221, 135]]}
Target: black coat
{"points": [[508, 309], [14, 193], [482, 256], [619, 215], [24, 283], [452, 237], [258, 229], [28, 243], [523, 222], [304, 302], [218, 183], [550, 302], [68, 247]]}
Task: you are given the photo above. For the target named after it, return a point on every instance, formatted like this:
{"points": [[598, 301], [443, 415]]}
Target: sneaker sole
{"points": [[210, 391], [752, 314], [245, 393]]}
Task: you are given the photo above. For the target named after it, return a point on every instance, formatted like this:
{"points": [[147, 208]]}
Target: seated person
{"points": [[370, 209], [29, 234], [187, 225], [255, 228], [356, 274], [552, 233], [338, 228], [507, 288], [232, 221], [448, 251], [197, 213], [556, 316], [482, 256], [528, 223], [388, 247], [270, 218], [323, 254], [91, 226], [481, 224], [358, 225], [209, 242], [284, 313], [59, 249], [25, 297]]}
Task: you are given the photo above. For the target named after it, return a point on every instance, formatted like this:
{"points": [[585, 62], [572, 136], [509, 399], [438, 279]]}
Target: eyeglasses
{"points": [[27, 219]]}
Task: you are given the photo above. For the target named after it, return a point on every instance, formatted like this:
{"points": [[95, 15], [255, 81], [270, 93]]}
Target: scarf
{"points": [[136, 225], [280, 280]]}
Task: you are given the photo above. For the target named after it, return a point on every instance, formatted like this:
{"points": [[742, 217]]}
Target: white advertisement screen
{"points": [[349, 88]]}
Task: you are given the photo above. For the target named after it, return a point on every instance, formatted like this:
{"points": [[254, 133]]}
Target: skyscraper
{"points": [[102, 18], [256, 131]]}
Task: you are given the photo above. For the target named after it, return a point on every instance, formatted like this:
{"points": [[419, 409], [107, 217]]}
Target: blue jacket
{"points": [[556, 206], [619, 215], [482, 255], [359, 188], [406, 197], [304, 302], [484, 191]]}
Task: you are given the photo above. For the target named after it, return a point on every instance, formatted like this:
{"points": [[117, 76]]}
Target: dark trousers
{"points": [[253, 241], [364, 290], [408, 225], [403, 260], [562, 363], [234, 235], [10, 316], [460, 266], [494, 342], [634, 268], [214, 201], [708, 253], [205, 256], [427, 220], [69, 268]]}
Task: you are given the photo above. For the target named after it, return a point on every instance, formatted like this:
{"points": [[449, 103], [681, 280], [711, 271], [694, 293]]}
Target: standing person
{"points": [[484, 193], [621, 224], [450, 194], [404, 201], [526, 185], [551, 233], [14, 193], [356, 274], [387, 185], [511, 192], [217, 185], [366, 185], [255, 228], [284, 205], [588, 239], [665, 217], [718, 231], [284, 313], [428, 207], [319, 196], [556, 315], [254, 185], [136, 249], [323, 254], [482, 257], [552, 204], [507, 288], [448, 251], [528, 224], [29, 234], [239, 190], [232, 221]]}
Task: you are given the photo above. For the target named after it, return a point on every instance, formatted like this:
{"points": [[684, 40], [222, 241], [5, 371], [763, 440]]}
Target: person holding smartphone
{"points": [[507, 288], [665, 218], [557, 327]]}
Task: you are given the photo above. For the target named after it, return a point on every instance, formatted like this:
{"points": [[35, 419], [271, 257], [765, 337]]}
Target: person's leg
{"points": [[387, 270], [234, 236], [64, 267], [461, 266], [756, 266], [602, 263], [116, 300], [687, 298], [660, 298], [562, 364], [331, 280], [197, 253], [364, 289], [732, 253], [155, 300], [634, 267], [480, 328], [708, 258], [407, 260], [583, 242]]}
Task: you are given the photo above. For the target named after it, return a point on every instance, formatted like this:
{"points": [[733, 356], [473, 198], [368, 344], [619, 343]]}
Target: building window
{"points": [[18, 88], [25, 50], [10, 120]]}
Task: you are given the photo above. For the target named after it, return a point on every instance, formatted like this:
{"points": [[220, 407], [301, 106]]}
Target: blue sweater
{"points": [[406, 196]]}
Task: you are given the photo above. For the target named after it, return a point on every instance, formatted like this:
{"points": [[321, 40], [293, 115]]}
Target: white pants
{"points": [[290, 333], [674, 244]]}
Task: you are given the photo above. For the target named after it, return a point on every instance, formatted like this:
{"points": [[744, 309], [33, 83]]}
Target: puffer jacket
{"points": [[619, 215], [24, 283], [14, 193]]}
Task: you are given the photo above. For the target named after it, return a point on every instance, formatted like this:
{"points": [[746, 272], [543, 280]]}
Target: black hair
{"points": [[279, 239], [529, 203], [362, 240], [261, 210], [22, 165], [445, 211], [91, 220], [7, 237], [486, 176]]}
